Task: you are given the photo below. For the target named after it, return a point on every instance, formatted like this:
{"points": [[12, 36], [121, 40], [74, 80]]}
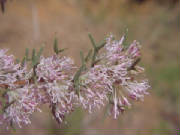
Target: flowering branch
{"points": [[110, 76]]}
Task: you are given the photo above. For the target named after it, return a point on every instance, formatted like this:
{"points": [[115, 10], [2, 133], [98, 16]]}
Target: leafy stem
{"points": [[78, 73], [96, 48], [55, 47]]}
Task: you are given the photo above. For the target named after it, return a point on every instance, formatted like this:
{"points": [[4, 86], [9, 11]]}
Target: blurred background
{"points": [[154, 23]]}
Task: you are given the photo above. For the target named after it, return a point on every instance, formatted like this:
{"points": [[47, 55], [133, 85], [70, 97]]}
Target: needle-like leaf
{"points": [[55, 46]]}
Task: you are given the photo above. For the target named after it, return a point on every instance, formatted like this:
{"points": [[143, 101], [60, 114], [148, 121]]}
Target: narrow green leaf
{"points": [[62, 50], [96, 61], [78, 73], [96, 48], [34, 59], [23, 61], [40, 52], [76, 76], [33, 54], [125, 38], [82, 57], [92, 40], [101, 45], [55, 46], [35, 62], [88, 56], [27, 53]]}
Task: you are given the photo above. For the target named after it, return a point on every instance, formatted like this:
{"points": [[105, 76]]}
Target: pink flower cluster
{"points": [[55, 81], [9, 71], [112, 80]]}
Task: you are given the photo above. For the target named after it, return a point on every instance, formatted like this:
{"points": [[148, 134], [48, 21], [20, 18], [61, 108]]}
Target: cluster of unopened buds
{"points": [[109, 75]]}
